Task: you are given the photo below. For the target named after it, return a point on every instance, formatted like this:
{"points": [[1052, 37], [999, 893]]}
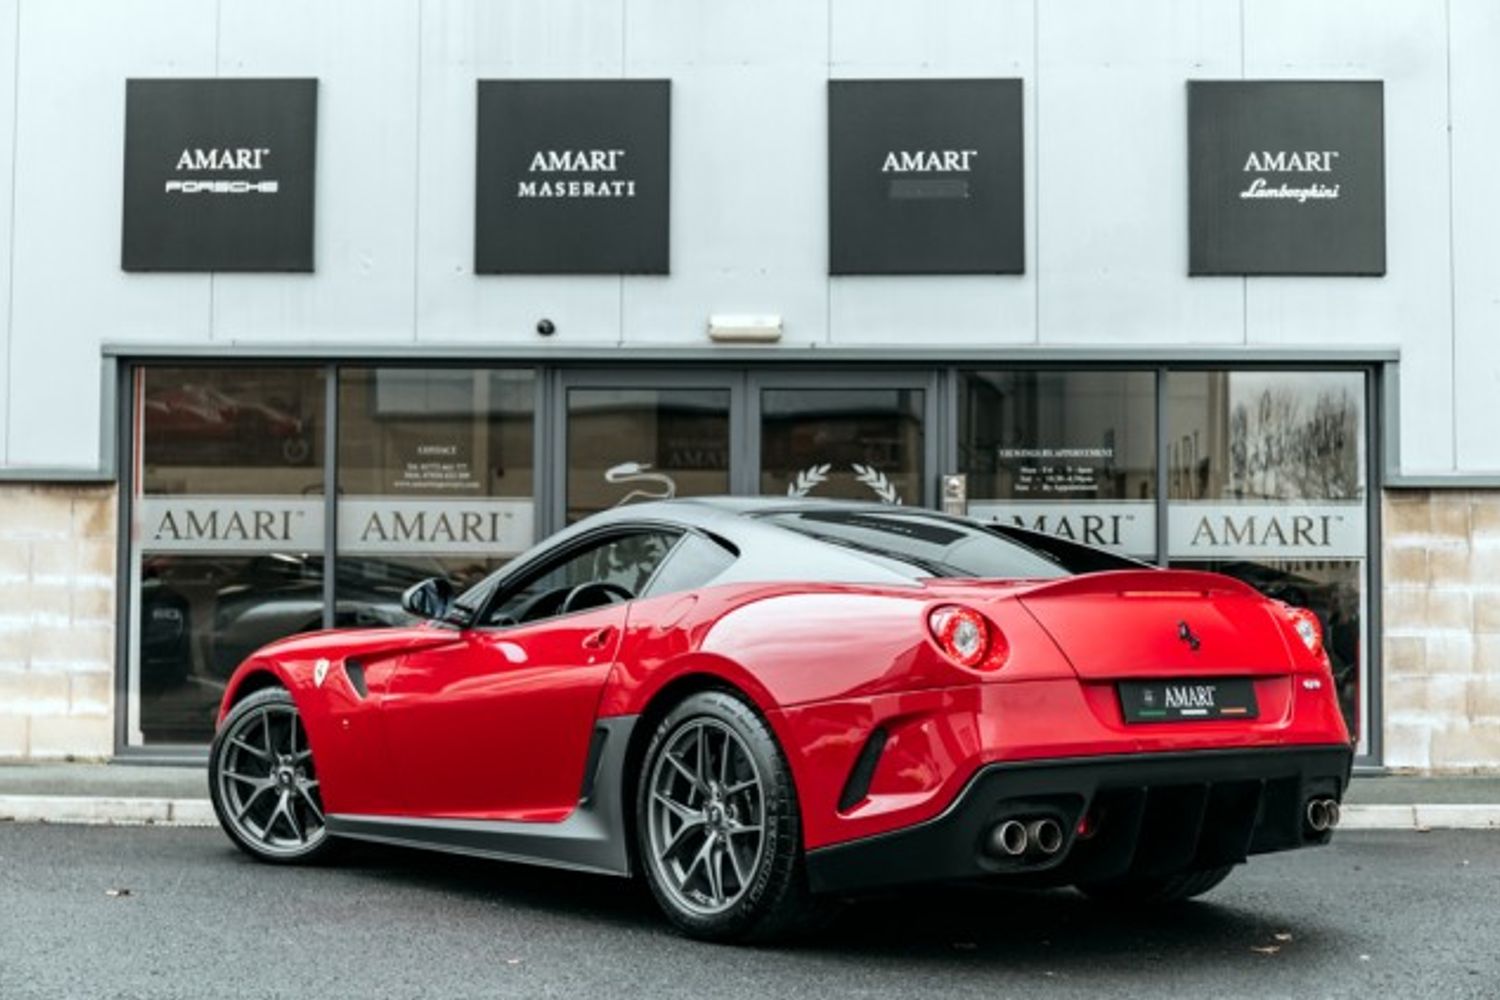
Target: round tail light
{"points": [[966, 637]]}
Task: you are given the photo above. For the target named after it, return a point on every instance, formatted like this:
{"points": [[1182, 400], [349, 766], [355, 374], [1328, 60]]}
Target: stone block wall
{"points": [[1442, 629], [57, 621]]}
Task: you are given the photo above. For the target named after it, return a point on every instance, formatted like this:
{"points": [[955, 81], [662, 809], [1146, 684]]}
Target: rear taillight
{"points": [[967, 638], [1306, 625]]}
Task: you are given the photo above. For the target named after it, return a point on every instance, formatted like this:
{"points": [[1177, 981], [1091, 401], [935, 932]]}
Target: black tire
{"points": [[1157, 891], [229, 796], [773, 902]]}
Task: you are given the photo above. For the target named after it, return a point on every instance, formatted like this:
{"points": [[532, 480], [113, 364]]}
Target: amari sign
{"points": [[925, 177], [219, 175], [1286, 177], [573, 177]]}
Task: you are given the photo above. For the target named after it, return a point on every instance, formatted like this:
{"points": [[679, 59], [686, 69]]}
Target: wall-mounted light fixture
{"points": [[744, 328]]}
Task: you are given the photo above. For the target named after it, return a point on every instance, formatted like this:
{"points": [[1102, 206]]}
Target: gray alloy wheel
{"points": [[705, 817], [718, 829], [263, 782]]}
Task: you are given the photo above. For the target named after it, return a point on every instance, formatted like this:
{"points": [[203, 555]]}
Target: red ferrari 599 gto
{"points": [[762, 705]]}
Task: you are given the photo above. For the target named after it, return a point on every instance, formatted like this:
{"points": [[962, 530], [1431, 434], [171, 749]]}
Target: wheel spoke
{"points": [[739, 786], [715, 870], [285, 808], [245, 806], [308, 800], [724, 759], [685, 771], [734, 861], [255, 752], [254, 780], [702, 757], [742, 828], [292, 739], [677, 809], [265, 721]]}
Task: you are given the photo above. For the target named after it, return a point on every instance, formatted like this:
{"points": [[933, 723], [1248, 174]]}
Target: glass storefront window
{"points": [[1072, 453], [630, 445], [227, 542], [1267, 483], [857, 444], [435, 478]]}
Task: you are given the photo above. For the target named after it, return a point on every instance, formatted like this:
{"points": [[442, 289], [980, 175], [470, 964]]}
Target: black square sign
{"points": [[1286, 177], [573, 177], [219, 175], [925, 177]]}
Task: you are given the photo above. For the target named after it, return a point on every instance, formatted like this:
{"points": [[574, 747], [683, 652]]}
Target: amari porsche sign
{"points": [[925, 177], [573, 177], [1286, 177], [219, 175]]}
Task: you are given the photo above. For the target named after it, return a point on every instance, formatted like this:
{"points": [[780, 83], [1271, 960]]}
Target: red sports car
{"points": [[763, 705]]}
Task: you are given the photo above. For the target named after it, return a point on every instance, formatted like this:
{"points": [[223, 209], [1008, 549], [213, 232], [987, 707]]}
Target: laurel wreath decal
{"points": [[804, 482], [808, 479], [878, 483]]}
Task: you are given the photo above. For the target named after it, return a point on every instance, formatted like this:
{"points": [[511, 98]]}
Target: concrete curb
{"points": [[93, 809], [97, 809]]}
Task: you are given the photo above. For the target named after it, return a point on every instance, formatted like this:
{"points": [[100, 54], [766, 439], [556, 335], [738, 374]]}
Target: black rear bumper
{"points": [[1147, 815]]}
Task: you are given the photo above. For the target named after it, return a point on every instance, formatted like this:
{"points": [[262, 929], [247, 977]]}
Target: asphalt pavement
{"points": [[94, 911]]}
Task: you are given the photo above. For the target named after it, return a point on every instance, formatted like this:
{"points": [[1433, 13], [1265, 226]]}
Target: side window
{"points": [[695, 562], [624, 562]]}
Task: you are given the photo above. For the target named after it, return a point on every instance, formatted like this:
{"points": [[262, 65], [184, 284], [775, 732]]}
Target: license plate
{"points": [[1188, 700]]}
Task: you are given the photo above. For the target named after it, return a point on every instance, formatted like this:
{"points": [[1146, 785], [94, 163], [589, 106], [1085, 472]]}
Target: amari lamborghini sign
{"points": [[1286, 177]]}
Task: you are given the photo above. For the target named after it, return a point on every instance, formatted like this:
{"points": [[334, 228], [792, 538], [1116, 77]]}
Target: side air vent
{"points": [[858, 785], [591, 768], [356, 674]]}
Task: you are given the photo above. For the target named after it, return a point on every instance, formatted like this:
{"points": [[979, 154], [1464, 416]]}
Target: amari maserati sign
{"points": [[1286, 177], [925, 177], [573, 177], [219, 175]]}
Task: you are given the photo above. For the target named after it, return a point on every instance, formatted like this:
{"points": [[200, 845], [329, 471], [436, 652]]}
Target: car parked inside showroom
{"points": [[764, 705]]}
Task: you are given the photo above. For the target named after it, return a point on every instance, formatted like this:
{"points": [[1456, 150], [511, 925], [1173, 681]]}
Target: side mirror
{"points": [[429, 599]]}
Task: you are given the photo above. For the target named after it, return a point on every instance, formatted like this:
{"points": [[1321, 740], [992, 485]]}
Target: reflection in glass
{"points": [[860, 444], [1265, 435], [227, 542], [1058, 435], [1330, 589], [1266, 474], [435, 473], [631, 445]]}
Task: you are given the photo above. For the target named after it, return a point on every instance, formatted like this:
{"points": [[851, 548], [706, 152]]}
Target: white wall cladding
{"points": [[1105, 86], [8, 14], [911, 38]]}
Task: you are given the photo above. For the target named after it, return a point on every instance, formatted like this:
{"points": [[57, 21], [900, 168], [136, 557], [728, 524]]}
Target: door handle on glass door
{"points": [[599, 639]]}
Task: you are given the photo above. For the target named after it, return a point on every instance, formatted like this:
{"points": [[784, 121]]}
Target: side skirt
{"points": [[592, 839]]}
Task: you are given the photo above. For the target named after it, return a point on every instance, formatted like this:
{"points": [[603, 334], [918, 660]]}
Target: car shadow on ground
{"points": [[1022, 928]]}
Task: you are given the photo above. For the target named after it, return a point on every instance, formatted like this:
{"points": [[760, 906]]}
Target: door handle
{"points": [[599, 639]]}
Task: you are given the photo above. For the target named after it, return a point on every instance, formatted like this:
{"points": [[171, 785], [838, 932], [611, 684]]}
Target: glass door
{"points": [[866, 436], [629, 437]]}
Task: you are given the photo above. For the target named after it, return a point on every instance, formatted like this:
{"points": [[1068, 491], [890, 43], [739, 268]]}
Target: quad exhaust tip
{"points": [[1010, 838], [1014, 837], [1322, 814], [1045, 835]]}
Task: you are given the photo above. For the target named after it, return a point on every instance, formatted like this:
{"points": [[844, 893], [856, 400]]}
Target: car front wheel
{"points": [[717, 824], [263, 783]]}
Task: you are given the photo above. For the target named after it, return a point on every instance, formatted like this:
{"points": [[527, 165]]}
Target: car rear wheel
{"points": [[263, 783], [1156, 891], [717, 824]]}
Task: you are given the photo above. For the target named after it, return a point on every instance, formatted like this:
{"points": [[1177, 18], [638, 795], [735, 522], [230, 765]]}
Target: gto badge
{"points": [[1185, 633], [320, 671]]}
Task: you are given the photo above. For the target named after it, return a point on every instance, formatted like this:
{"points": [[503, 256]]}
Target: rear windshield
{"points": [[929, 544]]}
